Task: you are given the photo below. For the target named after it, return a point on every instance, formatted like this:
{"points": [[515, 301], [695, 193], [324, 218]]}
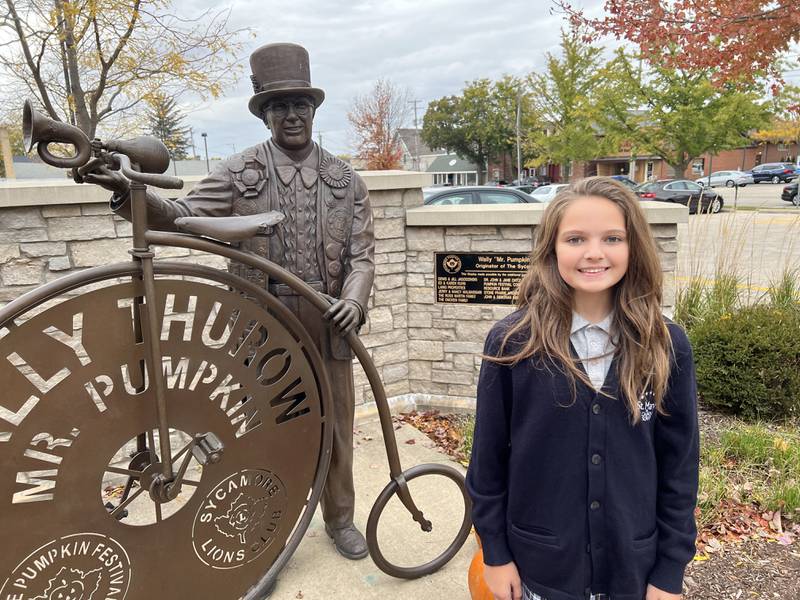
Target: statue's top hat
{"points": [[280, 69]]}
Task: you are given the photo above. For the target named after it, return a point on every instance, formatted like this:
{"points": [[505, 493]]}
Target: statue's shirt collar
{"points": [[288, 168]]}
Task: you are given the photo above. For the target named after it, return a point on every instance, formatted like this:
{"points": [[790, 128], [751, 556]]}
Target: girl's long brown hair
{"points": [[643, 341]]}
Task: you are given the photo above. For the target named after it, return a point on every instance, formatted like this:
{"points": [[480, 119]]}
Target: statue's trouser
{"points": [[338, 497]]}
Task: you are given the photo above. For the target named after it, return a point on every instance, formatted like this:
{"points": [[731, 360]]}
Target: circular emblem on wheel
{"points": [[451, 264], [83, 566], [239, 519]]}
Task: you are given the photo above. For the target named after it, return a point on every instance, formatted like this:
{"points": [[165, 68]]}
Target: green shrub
{"points": [[748, 363]]}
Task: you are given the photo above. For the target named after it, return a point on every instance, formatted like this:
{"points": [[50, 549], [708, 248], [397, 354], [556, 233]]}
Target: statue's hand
{"points": [[344, 315], [113, 181]]}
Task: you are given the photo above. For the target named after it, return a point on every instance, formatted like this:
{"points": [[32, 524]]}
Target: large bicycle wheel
{"points": [[78, 452], [413, 546]]}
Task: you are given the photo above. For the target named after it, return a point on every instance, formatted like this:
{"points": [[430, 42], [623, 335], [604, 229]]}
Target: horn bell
{"points": [[39, 130], [148, 152]]}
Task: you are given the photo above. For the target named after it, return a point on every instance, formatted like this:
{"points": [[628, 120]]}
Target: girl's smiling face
{"points": [[592, 251]]}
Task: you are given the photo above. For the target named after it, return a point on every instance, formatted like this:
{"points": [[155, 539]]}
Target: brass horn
{"points": [[40, 131]]}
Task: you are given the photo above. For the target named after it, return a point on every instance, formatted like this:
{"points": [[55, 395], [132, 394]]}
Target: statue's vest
{"points": [[255, 184]]}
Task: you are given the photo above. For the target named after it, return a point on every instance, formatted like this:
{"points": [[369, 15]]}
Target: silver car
{"points": [[546, 193], [726, 178]]}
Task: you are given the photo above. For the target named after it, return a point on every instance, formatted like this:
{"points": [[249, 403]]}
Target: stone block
{"points": [[81, 228], [462, 390], [453, 243], [388, 282], [37, 249], [501, 312], [68, 210], [123, 228], [379, 198], [419, 369], [383, 338], [501, 246], [380, 319], [12, 292], [22, 271], [421, 295], [100, 252], [390, 354], [474, 331], [396, 388], [422, 386], [24, 235], [516, 232], [434, 333], [21, 218], [168, 252], [59, 263], [415, 280], [389, 228], [464, 347], [413, 197], [669, 261], [392, 373], [420, 318], [668, 245], [465, 312], [7, 252], [390, 297], [420, 266], [100, 208], [388, 268], [463, 362], [390, 245], [425, 238], [393, 212], [426, 349], [440, 376], [397, 257], [665, 230], [472, 230]]}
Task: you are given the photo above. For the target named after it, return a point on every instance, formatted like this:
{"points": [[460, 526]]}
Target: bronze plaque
{"points": [[479, 278]]}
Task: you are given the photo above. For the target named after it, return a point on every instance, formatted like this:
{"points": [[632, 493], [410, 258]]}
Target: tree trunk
{"points": [[82, 117], [481, 172]]}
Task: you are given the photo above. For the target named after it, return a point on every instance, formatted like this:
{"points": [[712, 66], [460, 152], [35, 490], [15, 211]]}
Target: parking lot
{"points": [[757, 236]]}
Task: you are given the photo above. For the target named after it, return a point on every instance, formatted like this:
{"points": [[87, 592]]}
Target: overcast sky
{"points": [[430, 46]]}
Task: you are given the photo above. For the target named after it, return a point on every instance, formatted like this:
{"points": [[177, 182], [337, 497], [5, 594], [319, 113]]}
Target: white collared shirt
{"points": [[594, 346]]}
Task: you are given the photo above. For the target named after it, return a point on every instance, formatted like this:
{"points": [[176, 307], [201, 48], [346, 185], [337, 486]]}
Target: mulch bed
{"points": [[748, 555]]}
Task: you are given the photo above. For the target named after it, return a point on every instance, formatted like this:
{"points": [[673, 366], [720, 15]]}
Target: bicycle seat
{"points": [[230, 229]]}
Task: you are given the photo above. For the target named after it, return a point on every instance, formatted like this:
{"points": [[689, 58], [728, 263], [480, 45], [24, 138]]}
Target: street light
{"points": [[205, 143]]}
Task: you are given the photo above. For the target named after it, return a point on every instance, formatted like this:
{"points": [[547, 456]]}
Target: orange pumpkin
{"points": [[478, 589]]}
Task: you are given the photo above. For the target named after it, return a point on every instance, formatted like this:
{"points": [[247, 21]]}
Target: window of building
{"points": [[699, 166], [648, 171]]}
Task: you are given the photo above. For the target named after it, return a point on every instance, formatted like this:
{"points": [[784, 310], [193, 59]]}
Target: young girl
{"points": [[585, 458]]}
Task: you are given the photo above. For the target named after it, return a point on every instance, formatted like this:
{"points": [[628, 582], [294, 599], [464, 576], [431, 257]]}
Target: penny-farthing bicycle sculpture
{"points": [[164, 428]]}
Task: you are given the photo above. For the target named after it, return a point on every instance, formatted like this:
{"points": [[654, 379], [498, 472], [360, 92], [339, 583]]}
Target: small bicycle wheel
{"points": [[396, 545]]}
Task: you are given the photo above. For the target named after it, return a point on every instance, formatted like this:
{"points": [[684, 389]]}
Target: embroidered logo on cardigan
{"points": [[646, 405]]}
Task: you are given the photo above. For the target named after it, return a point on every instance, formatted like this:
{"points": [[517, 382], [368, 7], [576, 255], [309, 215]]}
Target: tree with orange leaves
{"points": [[739, 39], [376, 118]]}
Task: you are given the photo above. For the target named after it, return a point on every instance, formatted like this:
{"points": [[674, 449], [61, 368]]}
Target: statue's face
{"points": [[290, 119]]}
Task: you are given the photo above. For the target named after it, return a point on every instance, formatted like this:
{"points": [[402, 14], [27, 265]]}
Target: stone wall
{"points": [[427, 353]]}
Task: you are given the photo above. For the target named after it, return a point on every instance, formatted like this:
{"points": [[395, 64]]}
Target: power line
{"points": [[416, 135]]}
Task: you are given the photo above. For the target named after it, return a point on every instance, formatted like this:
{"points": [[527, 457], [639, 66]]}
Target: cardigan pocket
{"points": [[536, 534], [640, 543]]}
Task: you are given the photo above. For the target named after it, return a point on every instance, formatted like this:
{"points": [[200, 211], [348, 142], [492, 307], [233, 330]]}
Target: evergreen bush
{"points": [[748, 362]]}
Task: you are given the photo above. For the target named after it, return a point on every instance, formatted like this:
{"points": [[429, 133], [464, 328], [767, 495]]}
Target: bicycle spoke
{"points": [[190, 482], [151, 440], [130, 499], [158, 512], [121, 471]]}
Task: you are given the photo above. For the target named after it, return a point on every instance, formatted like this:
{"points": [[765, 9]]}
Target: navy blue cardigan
{"points": [[573, 493]]}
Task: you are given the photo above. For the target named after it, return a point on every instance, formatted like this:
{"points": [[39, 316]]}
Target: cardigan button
{"points": [[596, 459], [594, 505], [596, 408]]}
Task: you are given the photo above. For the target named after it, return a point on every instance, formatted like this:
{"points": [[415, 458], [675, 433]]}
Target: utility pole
{"points": [[205, 143], [519, 155], [191, 135], [415, 164]]}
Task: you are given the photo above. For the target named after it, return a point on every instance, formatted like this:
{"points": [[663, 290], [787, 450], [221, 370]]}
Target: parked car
{"points": [[790, 194], [681, 191], [547, 192], [626, 180], [526, 188], [478, 195], [726, 178], [774, 172]]}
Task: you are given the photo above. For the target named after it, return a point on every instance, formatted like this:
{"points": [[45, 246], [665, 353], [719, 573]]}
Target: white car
{"points": [[548, 192], [726, 178]]}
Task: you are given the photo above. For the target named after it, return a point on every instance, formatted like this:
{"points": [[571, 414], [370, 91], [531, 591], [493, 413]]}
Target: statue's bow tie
{"points": [[308, 175]]}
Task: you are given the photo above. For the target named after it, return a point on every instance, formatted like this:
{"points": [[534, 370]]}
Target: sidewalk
{"points": [[317, 572]]}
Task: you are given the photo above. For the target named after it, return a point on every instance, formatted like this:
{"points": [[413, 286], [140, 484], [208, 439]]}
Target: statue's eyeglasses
{"points": [[281, 109]]}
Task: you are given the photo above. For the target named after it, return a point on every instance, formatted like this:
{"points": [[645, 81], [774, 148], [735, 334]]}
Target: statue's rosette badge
{"points": [[239, 519], [335, 172], [84, 566]]}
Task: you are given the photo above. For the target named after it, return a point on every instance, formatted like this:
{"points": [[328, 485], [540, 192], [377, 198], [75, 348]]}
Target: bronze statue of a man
{"points": [[326, 238]]}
